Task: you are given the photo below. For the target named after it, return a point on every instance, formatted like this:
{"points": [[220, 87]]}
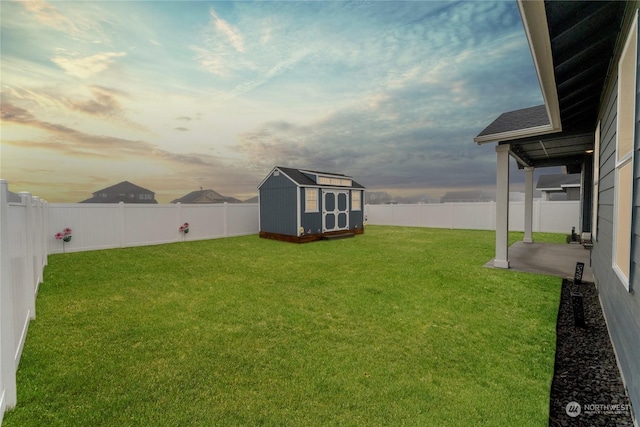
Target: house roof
{"points": [[572, 44], [524, 118], [298, 176], [115, 194], [124, 187], [558, 181], [194, 196], [253, 199]]}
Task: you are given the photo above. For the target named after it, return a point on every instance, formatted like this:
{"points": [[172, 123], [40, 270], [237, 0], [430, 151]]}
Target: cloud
{"points": [[390, 92], [74, 19], [11, 113], [224, 46], [68, 141], [248, 57], [85, 67], [49, 15], [225, 29], [103, 103]]}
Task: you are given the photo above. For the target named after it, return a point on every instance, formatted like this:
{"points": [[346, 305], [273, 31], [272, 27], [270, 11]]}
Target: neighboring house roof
{"points": [[253, 199], [124, 187], [118, 193], [203, 196], [558, 182], [298, 176]]}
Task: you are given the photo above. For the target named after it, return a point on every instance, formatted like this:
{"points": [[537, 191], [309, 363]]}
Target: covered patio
{"points": [[571, 43], [548, 258]]}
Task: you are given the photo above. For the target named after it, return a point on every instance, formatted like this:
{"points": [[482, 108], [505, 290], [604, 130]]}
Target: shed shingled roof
{"points": [[301, 179]]}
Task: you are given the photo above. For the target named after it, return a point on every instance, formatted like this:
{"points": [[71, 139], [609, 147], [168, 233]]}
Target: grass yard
{"points": [[399, 326]]}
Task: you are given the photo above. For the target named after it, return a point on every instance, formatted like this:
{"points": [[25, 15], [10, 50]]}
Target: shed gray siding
{"points": [[621, 308], [278, 206], [356, 218], [310, 220]]}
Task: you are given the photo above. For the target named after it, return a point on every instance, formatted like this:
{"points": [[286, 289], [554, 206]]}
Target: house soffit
{"points": [[579, 45]]}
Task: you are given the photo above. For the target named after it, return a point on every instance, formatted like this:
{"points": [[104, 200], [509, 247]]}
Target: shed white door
{"points": [[335, 210]]}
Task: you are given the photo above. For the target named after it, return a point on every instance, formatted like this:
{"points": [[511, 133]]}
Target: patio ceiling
{"points": [[572, 43]]}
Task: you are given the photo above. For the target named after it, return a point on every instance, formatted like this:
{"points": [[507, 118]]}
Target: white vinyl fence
{"points": [[27, 236], [552, 217], [105, 226], [23, 256], [28, 227]]}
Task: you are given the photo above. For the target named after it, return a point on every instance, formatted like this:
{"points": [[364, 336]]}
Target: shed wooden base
{"points": [[308, 237]]}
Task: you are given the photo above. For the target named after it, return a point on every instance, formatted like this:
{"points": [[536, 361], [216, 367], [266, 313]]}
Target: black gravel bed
{"points": [[587, 389]]}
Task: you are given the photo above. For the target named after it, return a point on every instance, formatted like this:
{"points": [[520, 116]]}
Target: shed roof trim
{"points": [[298, 177]]}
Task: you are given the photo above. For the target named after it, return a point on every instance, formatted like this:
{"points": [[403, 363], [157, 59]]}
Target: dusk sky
{"points": [[174, 96]]}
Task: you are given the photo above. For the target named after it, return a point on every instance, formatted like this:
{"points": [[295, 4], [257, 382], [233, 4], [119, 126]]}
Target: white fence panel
{"points": [[516, 216], [552, 217], [205, 221], [93, 227], [150, 224], [22, 274], [379, 214], [242, 219], [103, 226], [405, 215], [474, 216], [559, 217], [436, 215]]}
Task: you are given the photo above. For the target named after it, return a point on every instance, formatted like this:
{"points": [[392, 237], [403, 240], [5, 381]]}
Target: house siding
{"points": [[278, 206], [621, 308]]}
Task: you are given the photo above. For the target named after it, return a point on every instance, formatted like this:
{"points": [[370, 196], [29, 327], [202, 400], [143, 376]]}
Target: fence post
{"points": [[45, 232], [122, 223], [180, 220], [226, 219], [38, 242], [452, 215], [28, 289], [8, 393]]}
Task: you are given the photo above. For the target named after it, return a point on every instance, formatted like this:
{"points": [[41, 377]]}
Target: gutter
{"points": [[536, 28]]}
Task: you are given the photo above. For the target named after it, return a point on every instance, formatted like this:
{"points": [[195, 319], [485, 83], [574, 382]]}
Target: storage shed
{"points": [[299, 205]]}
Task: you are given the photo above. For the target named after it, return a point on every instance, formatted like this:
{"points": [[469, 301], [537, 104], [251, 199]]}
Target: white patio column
{"points": [[502, 207], [528, 204]]}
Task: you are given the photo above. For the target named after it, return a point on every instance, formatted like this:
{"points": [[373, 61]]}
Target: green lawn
{"points": [[399, 326]]}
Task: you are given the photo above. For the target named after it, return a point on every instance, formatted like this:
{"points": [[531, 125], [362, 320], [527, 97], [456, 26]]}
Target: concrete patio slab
{"points": [[549, 258]]}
